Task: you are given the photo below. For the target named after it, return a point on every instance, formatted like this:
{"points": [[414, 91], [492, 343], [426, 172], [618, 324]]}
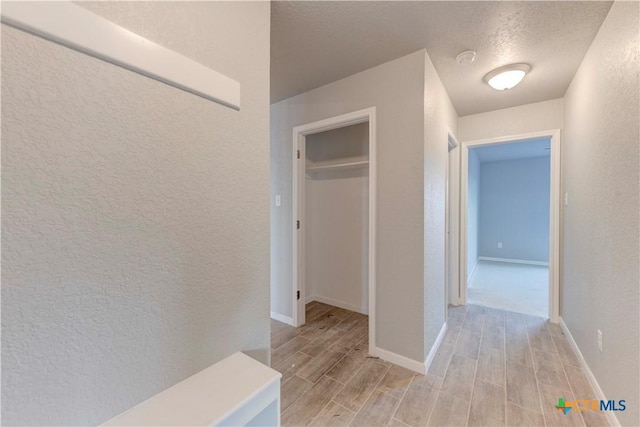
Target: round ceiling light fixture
{"points": [[506, 77], [466, 57]]}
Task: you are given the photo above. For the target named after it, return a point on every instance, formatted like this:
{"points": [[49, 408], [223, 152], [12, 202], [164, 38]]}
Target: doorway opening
{"points": [[334, 215], [510, 219]]}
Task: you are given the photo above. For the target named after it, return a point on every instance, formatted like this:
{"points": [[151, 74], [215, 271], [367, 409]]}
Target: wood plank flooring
{"points": [[493, 368]]}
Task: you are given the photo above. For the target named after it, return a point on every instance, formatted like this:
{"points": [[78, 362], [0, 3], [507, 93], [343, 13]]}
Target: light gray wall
{"points": [[601, 223], [513, 209], [336, 219], [439, 118], [135, 216], [473, 196], [336, 238], [539, 116], [396, 89]]}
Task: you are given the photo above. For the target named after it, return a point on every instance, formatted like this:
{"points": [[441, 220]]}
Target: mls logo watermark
{"points": [[590, 405]]}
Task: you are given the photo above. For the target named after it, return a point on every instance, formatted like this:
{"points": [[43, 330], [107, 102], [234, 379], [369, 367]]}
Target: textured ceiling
{"points": [[316, 42]]}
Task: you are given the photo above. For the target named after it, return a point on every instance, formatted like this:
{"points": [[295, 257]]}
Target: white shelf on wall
{"points": [[77, 28], [337, 166]]}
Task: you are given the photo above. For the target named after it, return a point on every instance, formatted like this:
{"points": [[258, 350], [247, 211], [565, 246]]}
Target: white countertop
{"points": [[206, 398]]}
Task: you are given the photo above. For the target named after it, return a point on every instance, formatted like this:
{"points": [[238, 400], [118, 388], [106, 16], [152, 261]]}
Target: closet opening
{"points": [[334, 216]]}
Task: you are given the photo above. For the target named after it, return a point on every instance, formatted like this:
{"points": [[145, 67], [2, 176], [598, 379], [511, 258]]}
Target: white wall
{"points": [[135, 242], [337, 239], [439, 118], [396, 89], [539, 116], [473, 204], [601, 223], [513, 209], [336, 219]]}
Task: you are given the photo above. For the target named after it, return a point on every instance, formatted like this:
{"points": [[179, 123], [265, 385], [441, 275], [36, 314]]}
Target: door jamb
{"points": [[554, 211], [299, 136], [452, 229]]}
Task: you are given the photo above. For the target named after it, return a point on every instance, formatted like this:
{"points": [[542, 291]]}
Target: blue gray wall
{"points": [[513, 208], [472, 212]]}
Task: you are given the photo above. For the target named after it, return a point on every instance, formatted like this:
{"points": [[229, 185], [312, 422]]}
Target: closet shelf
{"points": [[338, 166]]}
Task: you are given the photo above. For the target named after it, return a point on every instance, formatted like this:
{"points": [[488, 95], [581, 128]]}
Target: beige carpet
{"points": [[521, 288]]}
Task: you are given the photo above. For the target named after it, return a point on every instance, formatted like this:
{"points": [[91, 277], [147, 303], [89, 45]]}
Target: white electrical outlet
{"points": [[499, 245], [566, 199], [600, 340], [278, 200]]}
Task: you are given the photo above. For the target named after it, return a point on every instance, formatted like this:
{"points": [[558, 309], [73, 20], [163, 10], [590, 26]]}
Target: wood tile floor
{"points": [[493, 368]]}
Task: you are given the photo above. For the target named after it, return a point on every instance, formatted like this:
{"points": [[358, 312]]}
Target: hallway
{"points": [[493, 367]]}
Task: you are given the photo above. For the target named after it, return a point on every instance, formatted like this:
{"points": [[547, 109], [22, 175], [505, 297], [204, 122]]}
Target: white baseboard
{"points": [[282, 318], [512, 261], [611, 417], [405, 362], [435, 347], [473, 271], [337, 303]]}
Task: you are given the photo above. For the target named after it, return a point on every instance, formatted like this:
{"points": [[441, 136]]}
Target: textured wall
{"points": [[336, 219], [527, 118], [601, 224], [396, 89], [439, 118], [514, 209], [135, 216]]}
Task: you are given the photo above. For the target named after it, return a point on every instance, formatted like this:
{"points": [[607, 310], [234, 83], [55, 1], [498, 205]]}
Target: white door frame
{"points": [[554, 212], [299, 136], [452, 221]]}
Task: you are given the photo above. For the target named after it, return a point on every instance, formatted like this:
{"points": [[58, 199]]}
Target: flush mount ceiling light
{"points": [[506, 77]]}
